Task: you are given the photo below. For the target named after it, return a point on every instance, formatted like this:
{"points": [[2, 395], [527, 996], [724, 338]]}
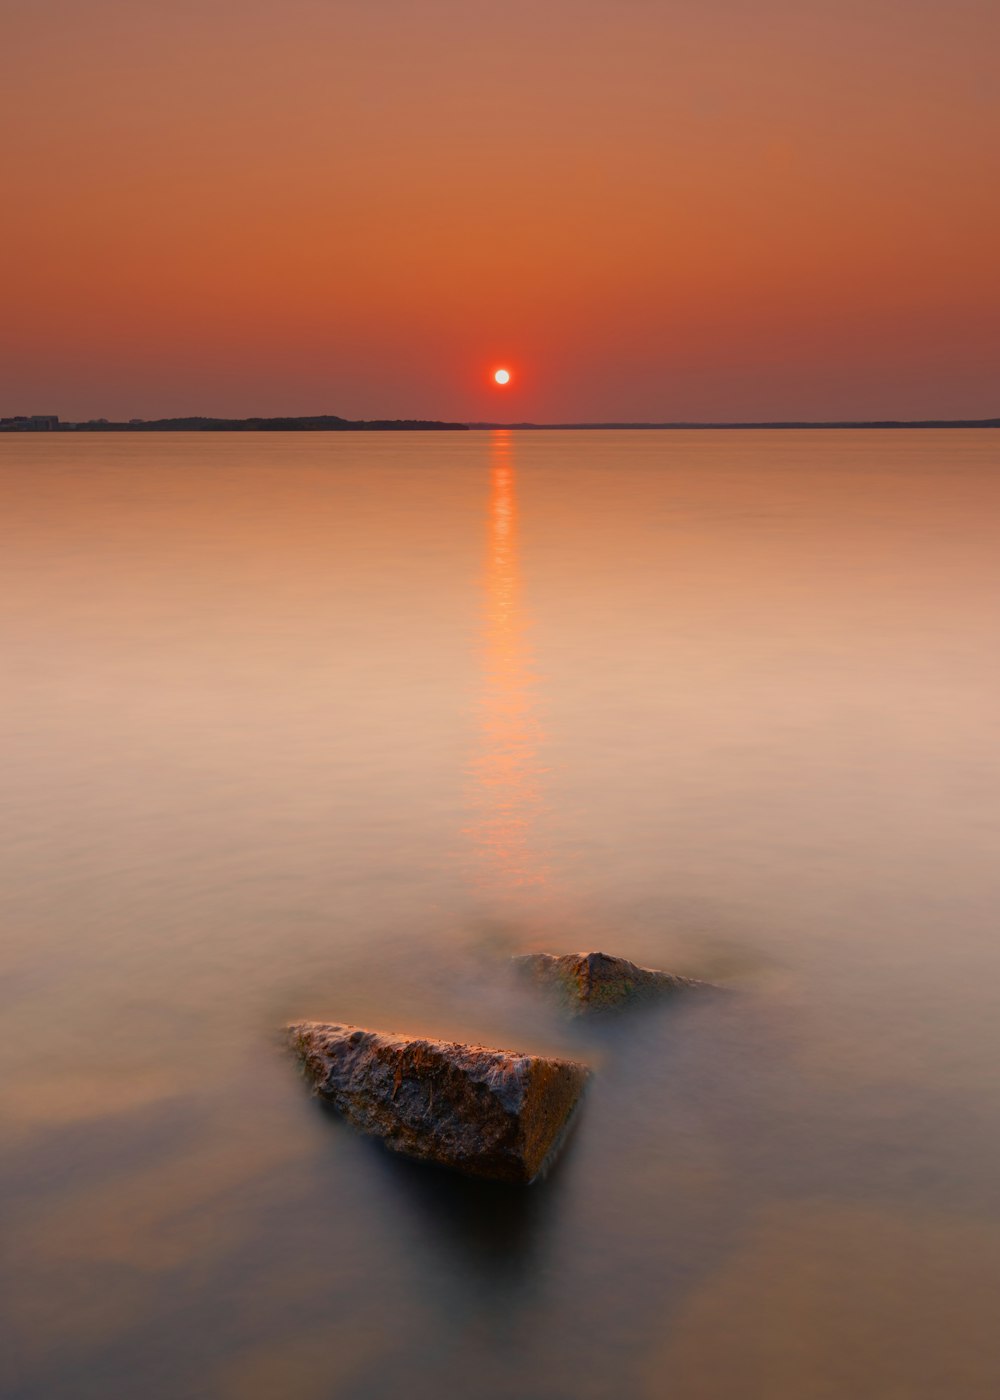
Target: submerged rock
{"points": [[487, 1113], [597, 981]]}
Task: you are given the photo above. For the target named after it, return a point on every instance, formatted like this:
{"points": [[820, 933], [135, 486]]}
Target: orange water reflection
{"points": [[507, 769]]}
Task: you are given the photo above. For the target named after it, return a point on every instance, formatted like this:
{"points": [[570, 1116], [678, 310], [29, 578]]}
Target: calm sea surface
{"points": [[330, 725]]}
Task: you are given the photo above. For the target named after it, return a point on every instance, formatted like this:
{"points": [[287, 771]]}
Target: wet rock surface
{"points": [[487, 1113], [585, 982]]}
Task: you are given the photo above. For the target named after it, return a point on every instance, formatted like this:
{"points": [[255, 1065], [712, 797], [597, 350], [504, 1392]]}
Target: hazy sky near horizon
{"points": [[700, 209]]}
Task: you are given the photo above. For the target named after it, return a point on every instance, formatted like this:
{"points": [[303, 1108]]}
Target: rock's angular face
{"points": [[487, 1113], [597, 981]]}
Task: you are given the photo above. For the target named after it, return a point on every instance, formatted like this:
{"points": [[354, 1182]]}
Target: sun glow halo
{"points": [[501, 376]]}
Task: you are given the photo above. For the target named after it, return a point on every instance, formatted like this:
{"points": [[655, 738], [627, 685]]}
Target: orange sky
{"points": [[700, 209]]}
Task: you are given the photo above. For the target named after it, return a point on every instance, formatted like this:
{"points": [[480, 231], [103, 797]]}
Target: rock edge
{"points": [[487, 1113], [599, 982]]}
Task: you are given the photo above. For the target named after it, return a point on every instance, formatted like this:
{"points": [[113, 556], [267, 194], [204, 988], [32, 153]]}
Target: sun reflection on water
{"points": [[506, 768]]}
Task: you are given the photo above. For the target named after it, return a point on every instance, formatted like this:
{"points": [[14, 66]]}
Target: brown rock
{"points": [[487, 1113], [597, 981]]}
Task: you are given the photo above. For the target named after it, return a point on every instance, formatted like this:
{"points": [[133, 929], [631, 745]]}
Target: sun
{"points": [[501, 376]]}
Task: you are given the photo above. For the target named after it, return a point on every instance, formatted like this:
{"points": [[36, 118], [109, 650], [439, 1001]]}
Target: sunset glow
{"points": [[680, 211]]}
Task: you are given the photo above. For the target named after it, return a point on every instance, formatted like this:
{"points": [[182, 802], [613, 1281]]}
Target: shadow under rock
{"points": [[491, 1230]]}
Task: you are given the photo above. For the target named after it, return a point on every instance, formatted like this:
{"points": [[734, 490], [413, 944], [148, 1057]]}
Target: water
{"points": [[323, 725]]}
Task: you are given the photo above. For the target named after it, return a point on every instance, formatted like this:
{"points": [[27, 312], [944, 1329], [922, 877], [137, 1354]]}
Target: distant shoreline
{"points": [[730, 427], [323, 423], [328, 423]]}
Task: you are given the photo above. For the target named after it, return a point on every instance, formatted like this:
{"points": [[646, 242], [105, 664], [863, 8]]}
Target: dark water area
{"points": [[330, 726]]}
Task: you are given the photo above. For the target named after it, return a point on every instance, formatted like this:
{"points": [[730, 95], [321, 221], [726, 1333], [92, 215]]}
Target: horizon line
{"points": [[703, 425], [333, 422]]}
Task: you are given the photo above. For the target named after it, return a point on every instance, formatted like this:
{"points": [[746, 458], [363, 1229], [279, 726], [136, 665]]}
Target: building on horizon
{"points": [[31, 423]]}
